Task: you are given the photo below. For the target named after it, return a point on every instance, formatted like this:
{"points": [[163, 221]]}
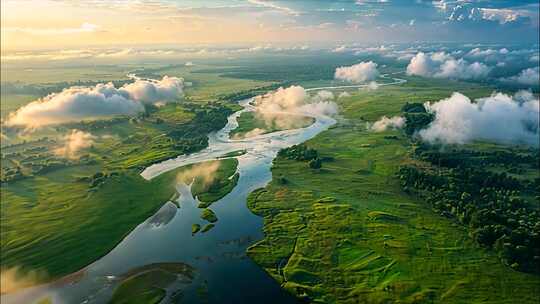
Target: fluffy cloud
{"points": [[528, 77], [340, 49], [487, 54], [469, 11], [151, 91], [371, 86], [361, 72], [84, 28], [293, 100], [322, 96], [79, 103], [500, 118], [75, 141], [443, 65], [344, 95], [205, 173], [385, 123]]}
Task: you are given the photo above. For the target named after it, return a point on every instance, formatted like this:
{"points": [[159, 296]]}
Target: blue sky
{"points": [[62, 23], [398, 20]]}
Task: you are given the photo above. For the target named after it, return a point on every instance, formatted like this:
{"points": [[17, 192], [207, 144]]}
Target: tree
{"points": [[315, 163]]}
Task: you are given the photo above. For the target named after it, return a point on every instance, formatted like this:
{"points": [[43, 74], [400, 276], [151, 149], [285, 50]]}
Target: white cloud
{"points": [[323, 95], [79, 103], [361, 72], [500, 118], [293, 100], [344, 95], [501, 15], [464, 10], [269, 4], [371, 86], [151, 91], [529, 77], [478, 52], [340, 49], [385, 123], [443, 65], [75, 141], [84, 28]]}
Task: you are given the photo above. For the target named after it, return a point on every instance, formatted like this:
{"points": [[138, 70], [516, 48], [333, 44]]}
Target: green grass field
{"points": [[56, 224], [147, 284], [347, 233], [344, 233]]}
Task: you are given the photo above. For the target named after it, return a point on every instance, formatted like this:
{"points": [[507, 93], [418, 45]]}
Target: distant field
{"points": [[11, 102], [348, 234], [207, 85], [53, 74]]}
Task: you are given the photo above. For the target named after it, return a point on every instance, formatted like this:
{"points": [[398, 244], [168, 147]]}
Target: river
{"points": [[219, 255]]}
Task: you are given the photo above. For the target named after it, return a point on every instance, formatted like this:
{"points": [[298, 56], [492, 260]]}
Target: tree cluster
{"points": [[492, 204], [416, 117], [192, 136], [302, 153]]}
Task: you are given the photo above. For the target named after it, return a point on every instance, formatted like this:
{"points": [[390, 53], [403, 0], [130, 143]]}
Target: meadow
{"points": [[347, 233], [56, 224], [58, 215]]}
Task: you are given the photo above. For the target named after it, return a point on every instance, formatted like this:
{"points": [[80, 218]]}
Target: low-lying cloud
{"points": [[500, 118], [74, 142], [79, 103], [443, 65], [203, 172], [294, 101], [527, 77], [359, 73], [386, 123], [12, 279], [344, 95]]}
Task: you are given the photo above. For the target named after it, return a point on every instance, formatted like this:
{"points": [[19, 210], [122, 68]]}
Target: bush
{"points": [[315, 163]]}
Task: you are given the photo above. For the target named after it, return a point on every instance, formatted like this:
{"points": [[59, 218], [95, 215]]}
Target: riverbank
{"points": [[125, 200]]}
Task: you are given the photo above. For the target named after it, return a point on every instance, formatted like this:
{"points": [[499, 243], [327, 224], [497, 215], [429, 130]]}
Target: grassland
{"points": [[147, 285], [58, 220], [56, 223], [207, 82], [347, 233]]}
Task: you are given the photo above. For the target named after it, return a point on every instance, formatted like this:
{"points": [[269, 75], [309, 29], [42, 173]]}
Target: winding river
{"points": [[219, 255]]}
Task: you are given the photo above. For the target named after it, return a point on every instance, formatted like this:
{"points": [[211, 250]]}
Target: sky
{"points": [[59, 24]]}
